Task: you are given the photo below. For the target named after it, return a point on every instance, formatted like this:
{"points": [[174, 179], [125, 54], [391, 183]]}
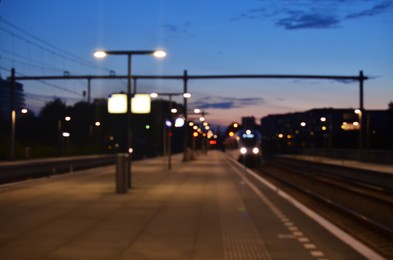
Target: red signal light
{"points": [[213, 142]]}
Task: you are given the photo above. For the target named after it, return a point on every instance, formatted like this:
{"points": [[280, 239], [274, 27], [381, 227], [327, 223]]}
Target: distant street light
{"points": [[103, 54]]}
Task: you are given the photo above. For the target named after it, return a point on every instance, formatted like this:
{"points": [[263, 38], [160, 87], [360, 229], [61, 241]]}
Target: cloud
{"points": [[375, 10], [311, 14], [226, 102], [178, 30], [308, 21], [170, 28]]}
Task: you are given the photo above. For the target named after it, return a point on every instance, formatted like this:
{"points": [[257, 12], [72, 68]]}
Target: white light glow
{"points": [[159, 54], [117, 104], [100, 54], [141, 104], [179, 122]]}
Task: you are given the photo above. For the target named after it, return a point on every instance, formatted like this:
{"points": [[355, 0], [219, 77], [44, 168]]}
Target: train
{"points": [[246, 146]]}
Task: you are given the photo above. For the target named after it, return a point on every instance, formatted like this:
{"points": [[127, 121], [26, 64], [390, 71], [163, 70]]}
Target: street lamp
{"points": [[168, 123], [359, 112], [102, 54]]}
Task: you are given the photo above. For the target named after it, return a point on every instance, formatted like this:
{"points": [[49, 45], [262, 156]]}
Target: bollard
{"points": [[121, 173]]}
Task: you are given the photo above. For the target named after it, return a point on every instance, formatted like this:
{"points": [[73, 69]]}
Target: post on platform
{"points": [[13, 114], [185, 90], [122, 164], [361, 117]]}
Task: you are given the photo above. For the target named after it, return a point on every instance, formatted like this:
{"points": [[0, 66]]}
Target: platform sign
{"points": [[117, 104], [140, 104]]}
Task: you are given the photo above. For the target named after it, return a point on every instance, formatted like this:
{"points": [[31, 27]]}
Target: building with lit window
{"points": [[328, 128]]}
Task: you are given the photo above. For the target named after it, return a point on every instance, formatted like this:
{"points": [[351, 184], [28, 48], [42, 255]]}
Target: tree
{"points": [[51, 121]]}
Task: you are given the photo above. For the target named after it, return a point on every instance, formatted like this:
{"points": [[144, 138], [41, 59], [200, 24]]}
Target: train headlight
{"points": [[243, 150], [255, 150]]}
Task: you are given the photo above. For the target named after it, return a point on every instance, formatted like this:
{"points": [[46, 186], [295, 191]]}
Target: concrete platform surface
{"points": [[204, 209]]}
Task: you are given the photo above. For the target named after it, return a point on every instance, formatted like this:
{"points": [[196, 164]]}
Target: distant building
{"points": [[249, 122], [328, 128], [5, 98]]}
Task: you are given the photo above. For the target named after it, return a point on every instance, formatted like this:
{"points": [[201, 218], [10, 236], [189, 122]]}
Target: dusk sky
{"points": [[206, 37]]}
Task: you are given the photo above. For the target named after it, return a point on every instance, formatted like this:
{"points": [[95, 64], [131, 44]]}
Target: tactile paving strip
{"points": [[241, 239]]}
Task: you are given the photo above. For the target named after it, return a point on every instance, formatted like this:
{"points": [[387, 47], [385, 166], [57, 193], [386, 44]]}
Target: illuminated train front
{"points": [[249, 147]]}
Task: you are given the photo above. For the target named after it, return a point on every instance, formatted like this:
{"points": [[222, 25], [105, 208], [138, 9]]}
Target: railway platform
{"points": [[382, 168], [208, 208]]}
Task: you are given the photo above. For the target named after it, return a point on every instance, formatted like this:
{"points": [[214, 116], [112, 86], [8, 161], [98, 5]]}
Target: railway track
{"points": [[360, 207], [31, 169]]}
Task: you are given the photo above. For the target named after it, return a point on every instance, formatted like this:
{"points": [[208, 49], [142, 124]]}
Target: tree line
{"points": [[87, 128]]}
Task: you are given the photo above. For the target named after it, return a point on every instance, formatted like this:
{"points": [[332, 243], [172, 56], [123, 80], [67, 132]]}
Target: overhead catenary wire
{"points": [[54, 49], [46, 83], [37, 63]]}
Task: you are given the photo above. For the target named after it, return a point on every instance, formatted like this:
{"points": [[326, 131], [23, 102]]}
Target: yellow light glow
{"points": [[358, 111], [324, 128], [235, 125], [280, 136]]}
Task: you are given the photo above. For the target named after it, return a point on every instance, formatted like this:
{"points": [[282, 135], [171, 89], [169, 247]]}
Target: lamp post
{"points": [[102, 54], [62, 135], [359, 112], [167, 136]]}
